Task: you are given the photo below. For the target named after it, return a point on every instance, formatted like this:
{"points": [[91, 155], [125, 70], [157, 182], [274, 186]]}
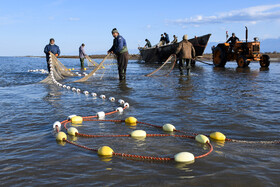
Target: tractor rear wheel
{"points": [[219, 57], [264, 62], [242, 62]]}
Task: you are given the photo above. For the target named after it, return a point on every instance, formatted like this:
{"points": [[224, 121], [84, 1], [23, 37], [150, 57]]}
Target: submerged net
{"points": [[108, 60], [91, 62], [58, 69], [166, 68]]}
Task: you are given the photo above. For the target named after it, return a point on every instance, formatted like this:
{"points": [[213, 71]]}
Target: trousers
{"points": [[82, 62], [188, 65], [122, 59]]}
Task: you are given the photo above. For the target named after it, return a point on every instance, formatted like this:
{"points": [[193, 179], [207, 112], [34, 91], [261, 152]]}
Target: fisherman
{"points": [[51, 47], [162, 40], [119, 48], [166, 38], [186, 53], [82, 55], [148, 44], [175, 40], [232, 41]]}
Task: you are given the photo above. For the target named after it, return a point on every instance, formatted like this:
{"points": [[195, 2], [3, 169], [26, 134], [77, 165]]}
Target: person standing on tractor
{"points": [[119, 48], [82, 55], [186, 53], [232, 41], [51, 47]]}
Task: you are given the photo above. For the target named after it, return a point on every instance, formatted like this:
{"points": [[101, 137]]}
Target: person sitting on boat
{"points": [[232, 41], [82, 55], [51, 47], [166, 38], [148, 44], [119, 48], [175, 40], [162, 40], [186, 53]]}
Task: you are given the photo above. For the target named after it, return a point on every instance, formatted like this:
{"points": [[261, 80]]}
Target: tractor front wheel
{"points": [[242, 62], [219, 57], [264, 62]]}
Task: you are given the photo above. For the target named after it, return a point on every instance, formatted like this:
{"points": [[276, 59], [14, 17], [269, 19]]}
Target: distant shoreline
{"points": [[274, 57], [131, 56]]}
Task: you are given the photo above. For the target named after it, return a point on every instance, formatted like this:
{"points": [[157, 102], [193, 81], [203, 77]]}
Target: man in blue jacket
{"points": [[166, 38], [119, 48], [51, 47]]}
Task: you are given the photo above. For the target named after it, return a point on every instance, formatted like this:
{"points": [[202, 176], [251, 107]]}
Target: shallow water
{"points": [[242, 103]]}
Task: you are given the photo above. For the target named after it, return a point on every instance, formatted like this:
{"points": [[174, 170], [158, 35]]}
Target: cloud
{"points": [[74, 19], [252, 15]]}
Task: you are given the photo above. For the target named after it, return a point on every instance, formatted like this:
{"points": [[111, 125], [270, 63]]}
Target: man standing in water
{"points": [[82, 55], [51, 47], [186, 53], [119, 48]]}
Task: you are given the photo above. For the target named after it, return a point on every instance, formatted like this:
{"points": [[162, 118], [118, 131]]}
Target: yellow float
{"points": [[218, 136], [105, 151], [77, 120], [131, 121]]}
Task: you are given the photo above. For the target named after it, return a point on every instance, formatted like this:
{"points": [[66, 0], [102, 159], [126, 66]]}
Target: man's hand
{"points": [[110, 52]]}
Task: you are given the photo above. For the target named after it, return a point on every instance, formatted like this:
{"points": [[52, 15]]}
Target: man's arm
{"points": [[228, 40], [83, 51], [179, 48], [193, 52], [58, 51], [46, 49]]}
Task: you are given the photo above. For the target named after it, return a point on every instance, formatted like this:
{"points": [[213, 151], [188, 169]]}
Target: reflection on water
{"points": [[242, 103]]}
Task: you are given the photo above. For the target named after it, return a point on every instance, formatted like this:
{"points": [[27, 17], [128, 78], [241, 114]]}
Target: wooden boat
{"points": [[161, 54]]}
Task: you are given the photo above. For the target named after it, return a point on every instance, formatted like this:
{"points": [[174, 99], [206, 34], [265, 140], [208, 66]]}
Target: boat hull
{"points": [[160, 54]]}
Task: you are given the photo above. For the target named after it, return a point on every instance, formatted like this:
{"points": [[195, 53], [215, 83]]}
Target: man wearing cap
{"points": [[82, 55], [186, 53], [119, 48], [232, 41], [51, 47]]}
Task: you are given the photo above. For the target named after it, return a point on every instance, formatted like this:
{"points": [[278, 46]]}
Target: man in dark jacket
{"points": [[166, 38], [148, 44], [186, 53], [119, 48], [51, 47], [82, 55], [162, 40], [232, 41]]}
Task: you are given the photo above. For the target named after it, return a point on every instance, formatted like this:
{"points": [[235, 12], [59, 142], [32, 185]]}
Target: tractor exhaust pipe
{"points": [[246, 34]]}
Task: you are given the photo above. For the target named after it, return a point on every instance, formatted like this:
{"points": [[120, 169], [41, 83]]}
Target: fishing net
{"points": [[102, 67], [58, 69], [166, 68]]}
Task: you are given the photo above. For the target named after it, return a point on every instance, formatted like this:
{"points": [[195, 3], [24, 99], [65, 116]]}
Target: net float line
{"points": [[134, 156], [175, 130]]}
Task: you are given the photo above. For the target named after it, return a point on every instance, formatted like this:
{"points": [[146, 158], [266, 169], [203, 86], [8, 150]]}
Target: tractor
{"points": [[242, 52]]}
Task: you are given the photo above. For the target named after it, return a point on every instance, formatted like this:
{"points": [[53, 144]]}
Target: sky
{"points": [[27, 25]]}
